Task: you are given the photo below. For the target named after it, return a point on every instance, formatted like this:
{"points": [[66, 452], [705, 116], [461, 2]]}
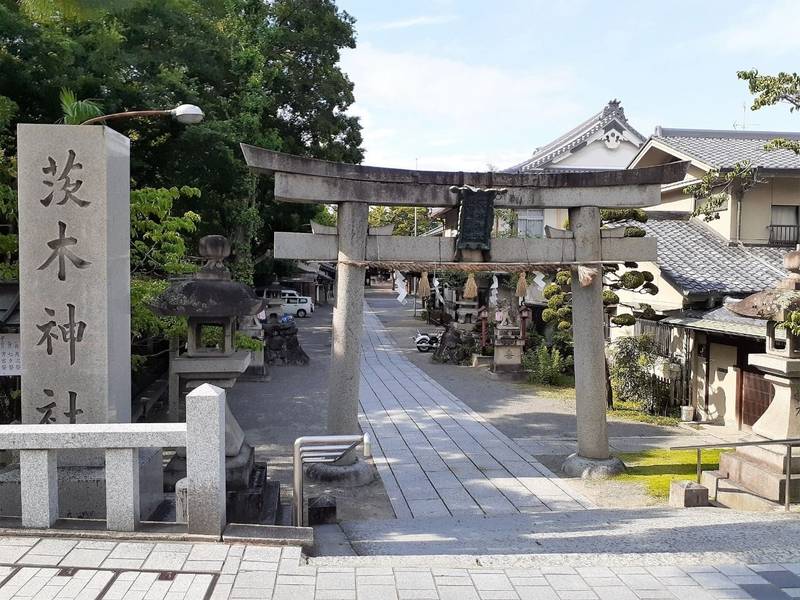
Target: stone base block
{"points": [[82, 490], [478, 360], [687, 494], [772, 456], [762, 479], [592, 468], [357, 474], [238, 469]]}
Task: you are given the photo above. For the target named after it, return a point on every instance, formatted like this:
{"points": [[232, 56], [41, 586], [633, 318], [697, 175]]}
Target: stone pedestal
{"points": [[781, 420], [760, 471], [508, 348]]}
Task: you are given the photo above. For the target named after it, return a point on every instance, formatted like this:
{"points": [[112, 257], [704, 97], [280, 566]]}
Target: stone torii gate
{"points": [[354, 188]]}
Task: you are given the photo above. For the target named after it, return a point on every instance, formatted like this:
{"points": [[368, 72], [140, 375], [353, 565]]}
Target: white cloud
{"points": [[419, 21], [454, 115], [771, 30]]}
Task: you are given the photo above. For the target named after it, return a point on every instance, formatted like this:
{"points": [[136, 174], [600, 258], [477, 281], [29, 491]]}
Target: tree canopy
{"points": [[264, 73]]}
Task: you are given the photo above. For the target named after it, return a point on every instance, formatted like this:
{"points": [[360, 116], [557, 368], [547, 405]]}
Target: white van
{"points": [[300, 306], [287, 295]]}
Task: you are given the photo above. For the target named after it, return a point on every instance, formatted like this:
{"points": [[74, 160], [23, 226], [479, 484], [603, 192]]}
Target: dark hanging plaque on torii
{"points": [[475, 219]]}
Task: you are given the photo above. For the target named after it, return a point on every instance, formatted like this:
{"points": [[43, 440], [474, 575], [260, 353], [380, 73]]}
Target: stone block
{"points": [[122, 489], [687, 494], [74, 255], [205, 459], [39, 488]]}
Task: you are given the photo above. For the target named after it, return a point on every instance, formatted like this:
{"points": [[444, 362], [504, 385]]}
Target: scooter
{"points": [[426, 341]]}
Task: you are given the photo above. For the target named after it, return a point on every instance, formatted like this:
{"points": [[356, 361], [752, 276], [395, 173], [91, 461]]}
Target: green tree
{"points": [[265, 73], [402, 217], [774, 89], [559, 293]]}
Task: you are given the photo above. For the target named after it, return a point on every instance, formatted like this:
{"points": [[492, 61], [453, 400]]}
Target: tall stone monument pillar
{"points": [[348, 318], [593, 458], [74, 245]]}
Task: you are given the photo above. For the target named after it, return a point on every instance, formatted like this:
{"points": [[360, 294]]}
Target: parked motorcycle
{"points": [[427, 341]]}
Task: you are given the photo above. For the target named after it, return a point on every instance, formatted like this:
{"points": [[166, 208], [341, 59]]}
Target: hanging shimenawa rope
{"points": [[522, 286], [469, 267], [424, 286], [471, 287]]}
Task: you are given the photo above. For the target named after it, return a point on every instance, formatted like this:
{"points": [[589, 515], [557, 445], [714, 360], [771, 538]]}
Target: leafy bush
{"points": [[545, 366], [631, 369]]}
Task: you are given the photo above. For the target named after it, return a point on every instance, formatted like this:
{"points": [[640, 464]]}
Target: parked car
{"points": [[292, 294], [301, 306]]}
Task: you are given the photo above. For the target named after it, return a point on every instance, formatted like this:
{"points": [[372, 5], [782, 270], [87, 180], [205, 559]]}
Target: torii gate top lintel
{"points": [[301, 179]]}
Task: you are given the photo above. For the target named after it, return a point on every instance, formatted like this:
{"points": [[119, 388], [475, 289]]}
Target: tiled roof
{"points": [[699, 262], [723, 149], [720, 320], [613, 111]]}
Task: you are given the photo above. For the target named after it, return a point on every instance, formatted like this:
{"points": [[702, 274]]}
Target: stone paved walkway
{"points": [[46, 569], [435, 455]]}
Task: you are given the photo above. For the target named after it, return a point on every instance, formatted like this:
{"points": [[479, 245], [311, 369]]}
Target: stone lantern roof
{"points": [[773, 304], [210, 292]]}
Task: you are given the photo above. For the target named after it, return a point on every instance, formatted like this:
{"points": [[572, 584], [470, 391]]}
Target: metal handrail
{"points": [[788, 442], [319, 449]]}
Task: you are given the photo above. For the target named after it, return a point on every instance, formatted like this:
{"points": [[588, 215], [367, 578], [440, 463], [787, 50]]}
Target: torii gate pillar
{"points": [[593, 458], [348, 318]]}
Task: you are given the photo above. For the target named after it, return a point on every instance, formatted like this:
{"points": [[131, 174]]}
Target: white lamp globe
{"points": [[188, 114]]}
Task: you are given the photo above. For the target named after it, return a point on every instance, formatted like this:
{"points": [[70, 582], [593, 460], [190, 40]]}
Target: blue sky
{"points": [[459, 84]]}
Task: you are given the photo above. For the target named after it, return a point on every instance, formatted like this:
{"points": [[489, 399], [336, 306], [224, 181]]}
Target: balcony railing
{"points": [[784, 235]]}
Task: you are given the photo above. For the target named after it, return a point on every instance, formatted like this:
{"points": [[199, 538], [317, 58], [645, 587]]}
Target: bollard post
{"points": [[205, 459]]}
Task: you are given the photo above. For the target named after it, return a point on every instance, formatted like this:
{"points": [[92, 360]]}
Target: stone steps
{"points": [[724, 492], [764, 480]]}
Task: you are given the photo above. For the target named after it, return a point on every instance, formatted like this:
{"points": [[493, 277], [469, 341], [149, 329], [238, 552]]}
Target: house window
{"points": [[783, 228], [530, 223]]}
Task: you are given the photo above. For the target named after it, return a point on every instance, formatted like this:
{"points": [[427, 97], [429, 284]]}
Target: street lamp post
{"points": [[188, 114]]}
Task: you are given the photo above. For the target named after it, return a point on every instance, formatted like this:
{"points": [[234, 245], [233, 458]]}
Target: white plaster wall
{"points": [[757, 207], [722, 385], [597, 155]]}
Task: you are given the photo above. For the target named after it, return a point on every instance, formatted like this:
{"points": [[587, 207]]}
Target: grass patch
{"points": [[565, 390], [632, 411], [658, 467]]}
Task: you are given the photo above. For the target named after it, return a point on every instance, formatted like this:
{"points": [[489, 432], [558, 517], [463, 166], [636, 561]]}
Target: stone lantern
{"points": [[508, 346], [208, 299]]}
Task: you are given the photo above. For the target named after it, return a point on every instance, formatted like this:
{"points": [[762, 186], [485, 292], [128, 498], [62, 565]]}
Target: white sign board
{"points": [[10, 361]]}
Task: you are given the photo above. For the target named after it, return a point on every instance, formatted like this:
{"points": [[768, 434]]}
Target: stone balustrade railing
{"points": [[203, 435]]}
